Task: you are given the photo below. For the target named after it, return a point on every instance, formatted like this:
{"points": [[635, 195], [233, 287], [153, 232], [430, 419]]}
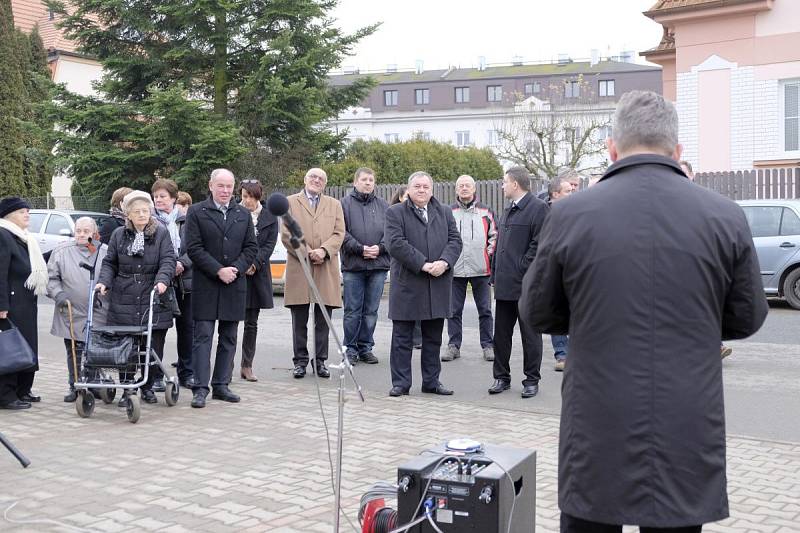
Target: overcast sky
{"points": [[456, 32]]}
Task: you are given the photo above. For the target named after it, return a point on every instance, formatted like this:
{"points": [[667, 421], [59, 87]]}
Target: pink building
{"points": [[733, 69]]}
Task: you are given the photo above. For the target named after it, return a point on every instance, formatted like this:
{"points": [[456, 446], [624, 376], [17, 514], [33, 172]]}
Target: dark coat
{"points": [[517, 242], [414, 294], [259, 285], [108, 225], [214, 242], [18, 300], [364, 221], [131, 278], [647, 272], [183, 283]]}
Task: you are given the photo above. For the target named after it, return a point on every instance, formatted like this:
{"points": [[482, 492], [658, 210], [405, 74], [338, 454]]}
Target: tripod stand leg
{"points": [[14, 451]]}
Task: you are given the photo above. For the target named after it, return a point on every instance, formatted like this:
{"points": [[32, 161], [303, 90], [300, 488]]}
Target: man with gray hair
{"points": [[424, 244], [476, 224], [666, 269], [67, 286], [222, 245]]}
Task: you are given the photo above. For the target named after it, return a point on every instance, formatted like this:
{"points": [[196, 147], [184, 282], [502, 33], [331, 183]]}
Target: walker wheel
{"points": [[172, 393], [133, 409], [107, 395], [85, 404]]}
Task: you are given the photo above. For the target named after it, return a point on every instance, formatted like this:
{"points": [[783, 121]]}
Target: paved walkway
{"points": [[262, 465]]}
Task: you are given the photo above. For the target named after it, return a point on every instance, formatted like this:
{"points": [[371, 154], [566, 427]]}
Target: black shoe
{"points": [[529, 391], [225, 394], [16, 405], [299, 371], [126, 394], [159, 386], [148, 396], [368, 358], [322, 370], [71, 396], [418, 346], [398, 391], [30, 398], [352, 359], [199, 398], [499, 386], [188, 383], [439, 389]]}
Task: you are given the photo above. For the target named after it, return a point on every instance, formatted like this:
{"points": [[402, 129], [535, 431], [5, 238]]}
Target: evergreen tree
{"points": [[12, 98], [258, 65]]}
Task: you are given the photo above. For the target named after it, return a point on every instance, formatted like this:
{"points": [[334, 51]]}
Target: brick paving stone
{"points": [[103, 473]]}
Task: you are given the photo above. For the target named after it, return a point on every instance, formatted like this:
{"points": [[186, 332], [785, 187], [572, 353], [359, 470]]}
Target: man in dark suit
{"points": [[517, 241], [222, 245], [647, 272], [424, 243]]}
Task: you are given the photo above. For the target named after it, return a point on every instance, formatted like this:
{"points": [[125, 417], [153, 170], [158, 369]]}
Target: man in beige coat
{"points": [[322, 221]]}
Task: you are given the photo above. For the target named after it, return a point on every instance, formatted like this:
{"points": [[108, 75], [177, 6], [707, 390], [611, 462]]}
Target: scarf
{"points": [[37, 281], [254, 215], [137, 246], [117, 212], [168, 219]]}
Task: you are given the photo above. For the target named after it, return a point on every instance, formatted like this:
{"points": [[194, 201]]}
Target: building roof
{"points": [[29, 13], [663, 7], [508, 71]]}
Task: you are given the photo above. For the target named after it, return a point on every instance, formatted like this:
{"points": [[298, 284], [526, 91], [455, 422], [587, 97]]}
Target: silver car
{"points": [[775, 225], [54, 226]]}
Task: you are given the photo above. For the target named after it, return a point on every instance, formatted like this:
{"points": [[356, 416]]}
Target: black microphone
{"points": [[278, 205]]}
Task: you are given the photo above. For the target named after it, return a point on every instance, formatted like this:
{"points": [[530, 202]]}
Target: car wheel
{"points": [[791, 288]]}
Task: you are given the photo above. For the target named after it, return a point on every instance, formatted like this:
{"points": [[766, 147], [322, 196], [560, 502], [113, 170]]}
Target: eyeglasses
{"points": [[316, 177], [249, 181]]}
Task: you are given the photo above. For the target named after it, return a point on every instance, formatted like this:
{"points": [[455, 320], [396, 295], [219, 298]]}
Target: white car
{"points": [[54, 226], [277, 266]]}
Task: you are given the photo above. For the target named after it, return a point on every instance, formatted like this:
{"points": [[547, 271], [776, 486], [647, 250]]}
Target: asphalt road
{"points": [[762, 377]]}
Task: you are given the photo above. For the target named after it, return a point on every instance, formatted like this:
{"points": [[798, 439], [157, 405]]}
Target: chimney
{"points": [[481, 62], [391, 67], [595, 56], [517, 61], [419, 69]]}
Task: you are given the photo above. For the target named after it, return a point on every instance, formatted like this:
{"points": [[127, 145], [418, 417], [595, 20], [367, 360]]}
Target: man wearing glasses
{"points": [[322, 221]]}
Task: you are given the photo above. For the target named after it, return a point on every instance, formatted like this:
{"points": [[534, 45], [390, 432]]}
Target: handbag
{"points": [[16, 355], [170, 300], [107, 350]]}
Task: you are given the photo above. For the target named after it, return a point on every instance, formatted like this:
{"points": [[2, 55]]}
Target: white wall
{"points": [[78, 74]]}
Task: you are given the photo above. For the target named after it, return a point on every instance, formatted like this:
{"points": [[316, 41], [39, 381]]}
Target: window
{"points": [[603, 133], [572, 89], [533, 88], [56, 224], [422, 96], [492, 138], [35, 225], [462, 138], [790, 225], [422, 135], [606, 88], [389, 98], [391, 137], [791, 116], [764, 221], [494, 93], [462, 95]]}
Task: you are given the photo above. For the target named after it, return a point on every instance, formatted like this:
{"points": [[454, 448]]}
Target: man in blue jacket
{"points": [[365, 262]]}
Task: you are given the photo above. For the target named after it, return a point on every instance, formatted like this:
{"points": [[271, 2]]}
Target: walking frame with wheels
{"points": [[95, 374]]}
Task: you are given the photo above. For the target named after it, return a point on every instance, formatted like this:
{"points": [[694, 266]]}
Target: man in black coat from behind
{"points": [[647, 272], [424, 243], [517, 242], [222, 245]]}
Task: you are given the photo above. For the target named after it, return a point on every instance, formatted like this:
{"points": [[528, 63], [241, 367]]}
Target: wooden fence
{"points": [[775, 183]]}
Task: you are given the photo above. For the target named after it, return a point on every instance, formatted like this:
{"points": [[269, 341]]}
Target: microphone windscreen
{"points": [[278, 204]]}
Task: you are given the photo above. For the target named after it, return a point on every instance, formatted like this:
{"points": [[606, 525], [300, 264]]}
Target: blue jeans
{"points": [[362, 297], [560, 346]]}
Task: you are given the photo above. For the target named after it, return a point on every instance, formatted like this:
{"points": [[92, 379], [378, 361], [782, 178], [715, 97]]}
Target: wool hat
{"points": [[135, 196], [11, 204]]}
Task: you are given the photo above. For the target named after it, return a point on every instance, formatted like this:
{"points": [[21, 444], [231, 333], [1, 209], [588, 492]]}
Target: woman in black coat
{"points": [[140, 257], [117, 218], [259, 276], [23, 276]]}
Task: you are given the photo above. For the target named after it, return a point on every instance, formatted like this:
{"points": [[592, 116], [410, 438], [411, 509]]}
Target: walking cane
{"points": [[72, 342]]}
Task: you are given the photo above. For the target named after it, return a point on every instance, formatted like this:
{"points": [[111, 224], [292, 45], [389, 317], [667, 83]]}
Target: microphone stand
{"points": [[342, 367], [24, 461]]}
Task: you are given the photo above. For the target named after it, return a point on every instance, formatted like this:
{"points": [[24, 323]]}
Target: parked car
{"points": [[775, 225], [277, 266], [54, 226]]}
